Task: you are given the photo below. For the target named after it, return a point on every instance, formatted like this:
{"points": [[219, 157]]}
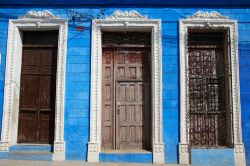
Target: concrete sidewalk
{"points": [[69, 163]]}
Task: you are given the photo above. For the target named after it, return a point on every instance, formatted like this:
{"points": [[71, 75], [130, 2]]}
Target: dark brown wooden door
{"points": [[126, 116], [37, 94], [208, 90]]}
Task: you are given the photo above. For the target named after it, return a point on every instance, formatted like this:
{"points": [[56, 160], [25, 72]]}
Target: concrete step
{"points": [[30, 155], [46, 148], [28, 152]]}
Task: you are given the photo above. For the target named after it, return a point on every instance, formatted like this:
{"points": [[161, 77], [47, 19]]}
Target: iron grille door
{"points": [[208, 90]]}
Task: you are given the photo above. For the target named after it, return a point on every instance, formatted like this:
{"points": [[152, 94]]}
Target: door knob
{"points": [[118, 109]]}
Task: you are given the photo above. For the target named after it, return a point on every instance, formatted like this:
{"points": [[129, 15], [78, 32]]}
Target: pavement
{"points": [[70, 163]]}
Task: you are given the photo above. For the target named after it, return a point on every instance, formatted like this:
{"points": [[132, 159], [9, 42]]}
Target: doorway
{"points": [[38, 87], [126, 84], [209, 89]]}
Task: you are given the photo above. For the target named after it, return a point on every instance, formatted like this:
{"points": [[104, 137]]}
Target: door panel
{"points": [[31, 61], [37, 95], [48, 60], [46, 122], [29, 84], [47, 91], [132, 115], [28, 118], [126, 117], [107, 100]]}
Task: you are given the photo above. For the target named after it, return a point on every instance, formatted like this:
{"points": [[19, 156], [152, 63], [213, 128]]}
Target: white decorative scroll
{"points": [[131, 21], [126, 15], [209, 21], [207, 15], [39, 14], [12, 78]]}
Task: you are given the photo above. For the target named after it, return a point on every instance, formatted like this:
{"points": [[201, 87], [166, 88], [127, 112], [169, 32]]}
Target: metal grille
{"points": [[208, 94]]}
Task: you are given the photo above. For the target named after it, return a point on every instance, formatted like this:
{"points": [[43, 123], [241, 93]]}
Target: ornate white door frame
{"points": [[125, 21], [35, 21], [206, 20]]}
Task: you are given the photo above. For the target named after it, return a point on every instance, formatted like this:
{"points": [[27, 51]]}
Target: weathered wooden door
{"points": [[37, 93], [126, 116], [209, 108]]}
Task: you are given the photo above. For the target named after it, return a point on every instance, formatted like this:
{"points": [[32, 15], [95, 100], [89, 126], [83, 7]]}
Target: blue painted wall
{"points": [[126, 157], [77, 93], [127, 2], [244, 60], [3, 41], [210, 157]]}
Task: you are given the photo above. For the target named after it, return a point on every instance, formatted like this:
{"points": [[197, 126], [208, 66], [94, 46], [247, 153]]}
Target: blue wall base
{"points": [[248, 159], [26, 156], [28, 152], [212, 157], [46, 148], [126, 157]]}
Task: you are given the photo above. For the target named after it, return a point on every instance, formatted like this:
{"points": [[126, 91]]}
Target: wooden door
{"points": [[126, 122], [37, 94], [208, 94]]}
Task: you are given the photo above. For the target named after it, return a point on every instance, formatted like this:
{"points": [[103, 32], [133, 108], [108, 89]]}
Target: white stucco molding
{"points": [[213, 20], [126, 15], [129, 21], [45, 14], [207, 15], [13, 74]]}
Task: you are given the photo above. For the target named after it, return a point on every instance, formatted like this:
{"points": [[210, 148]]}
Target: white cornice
{"points": [[126, 15], [207, 15], [45, 14]]}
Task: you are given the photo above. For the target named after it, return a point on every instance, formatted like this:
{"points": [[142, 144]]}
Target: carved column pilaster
{"points": [[59, 144], [59, 151], [158, 145], [158, 153], [95, 107], [8, 89], [93, 152], [4, 146], [239, 155], [184, 154]]}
